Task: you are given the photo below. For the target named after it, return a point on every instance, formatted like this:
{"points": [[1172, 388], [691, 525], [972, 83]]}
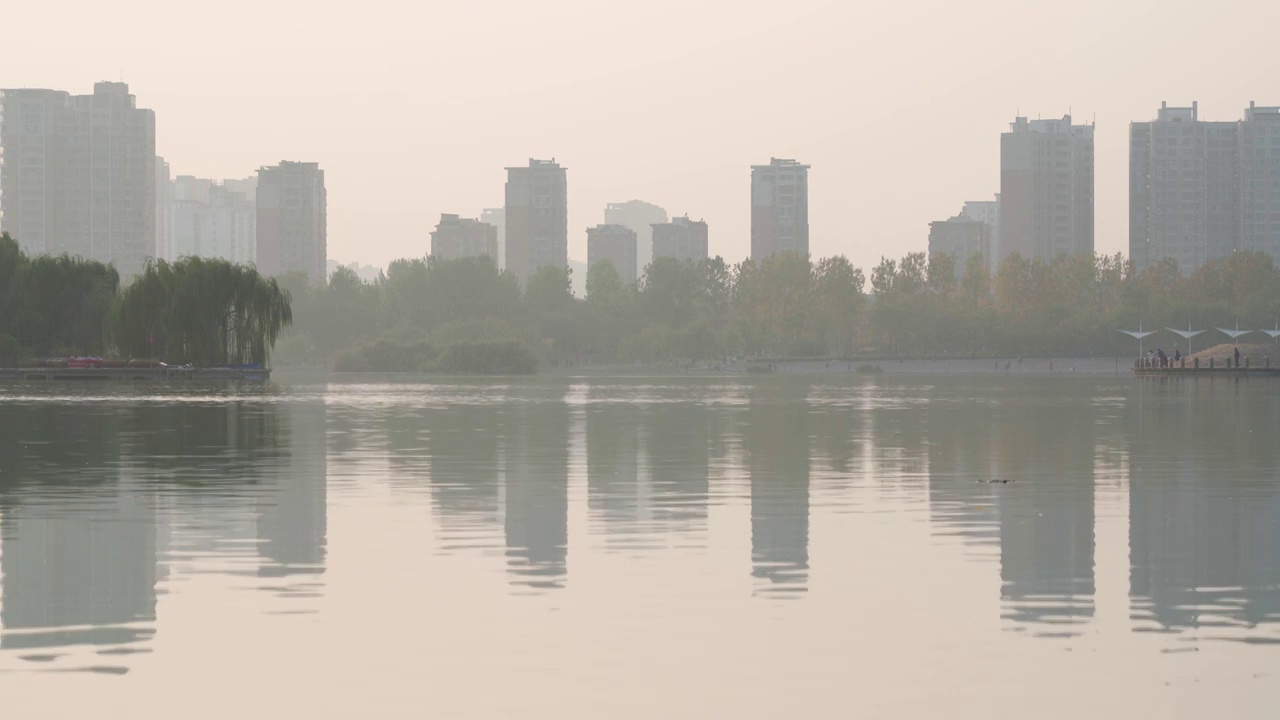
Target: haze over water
{"points": [[642, 547]]}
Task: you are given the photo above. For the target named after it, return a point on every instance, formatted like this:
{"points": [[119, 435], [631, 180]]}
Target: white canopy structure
{"points": [[1138, 335], [1186, 334], [1234, 334], [1275, 334]]}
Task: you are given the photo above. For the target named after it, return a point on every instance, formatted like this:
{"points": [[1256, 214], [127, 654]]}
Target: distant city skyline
{"points": [[893, 145]]}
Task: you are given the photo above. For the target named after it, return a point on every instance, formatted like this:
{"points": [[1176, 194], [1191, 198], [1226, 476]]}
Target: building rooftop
{"points": [[536, 164], [1255, 111], [782, 163]]}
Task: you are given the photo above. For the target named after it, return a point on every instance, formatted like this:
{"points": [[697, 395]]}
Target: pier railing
{"points": [[1157, 366]]}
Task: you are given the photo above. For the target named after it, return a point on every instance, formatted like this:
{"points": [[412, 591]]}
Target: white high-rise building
{"points": [[1200, 190], [79, 174], [1046, 189]]}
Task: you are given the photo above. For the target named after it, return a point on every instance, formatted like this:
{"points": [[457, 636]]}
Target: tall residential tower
{"points": [[292, 220], [537, 217], [79, 174], [779, 208], [1199, 190], [1046, 189]]}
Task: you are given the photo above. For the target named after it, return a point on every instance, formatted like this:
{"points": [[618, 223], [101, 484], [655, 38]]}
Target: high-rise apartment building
{"points": [[79, 174], [1260, 180], [497, 217], [1200, 190], [682, 238], [779, 208], [615, 243], [1183, 189], [292, 222], [456, 237], [640, 216], [209, 219], [1046, 189], [537, 216]]}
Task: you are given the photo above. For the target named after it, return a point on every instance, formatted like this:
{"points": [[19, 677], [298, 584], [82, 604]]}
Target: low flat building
{"points": [[212, 219], [615, 243], [457, 237], [640, 216], [960, 237], [682, 238]]}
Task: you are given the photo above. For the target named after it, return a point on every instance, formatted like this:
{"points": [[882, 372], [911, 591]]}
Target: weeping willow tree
{"points": [[202, 311], [54, 304]]}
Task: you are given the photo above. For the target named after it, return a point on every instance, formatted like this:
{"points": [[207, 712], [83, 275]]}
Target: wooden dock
{"points": [[162, 374]]}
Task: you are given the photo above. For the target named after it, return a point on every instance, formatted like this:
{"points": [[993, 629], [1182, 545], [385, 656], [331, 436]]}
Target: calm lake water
{"points": [[642, 547]]}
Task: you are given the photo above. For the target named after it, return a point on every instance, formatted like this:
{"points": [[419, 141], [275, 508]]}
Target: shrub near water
{"points": [[388, 355], [492, 357]]}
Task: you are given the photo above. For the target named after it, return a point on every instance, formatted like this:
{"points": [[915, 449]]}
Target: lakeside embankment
{"points": [[905, 366]]}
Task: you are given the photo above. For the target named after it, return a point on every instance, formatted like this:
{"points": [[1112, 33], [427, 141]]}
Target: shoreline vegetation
{"points": [[710, 316], [466, 316], [196, 312]]}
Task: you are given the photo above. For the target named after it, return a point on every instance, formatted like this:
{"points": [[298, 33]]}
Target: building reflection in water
{"points": [[100, 504], [1204, 507], [617, 495], [1038, 438], [776, 447], [535, 455], [291, 514], [679, 443], [962, 444], [1045, 444], [79, 541], [464, 443]]}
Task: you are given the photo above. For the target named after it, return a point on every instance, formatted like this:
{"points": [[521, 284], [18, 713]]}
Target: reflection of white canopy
{"points": [[1186, 335]]}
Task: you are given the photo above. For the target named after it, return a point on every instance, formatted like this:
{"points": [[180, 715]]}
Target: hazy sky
{"points": [[413, 110]]}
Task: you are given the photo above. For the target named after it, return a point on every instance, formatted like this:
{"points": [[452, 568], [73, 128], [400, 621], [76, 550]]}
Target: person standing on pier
{"points": [[1237, 357]]}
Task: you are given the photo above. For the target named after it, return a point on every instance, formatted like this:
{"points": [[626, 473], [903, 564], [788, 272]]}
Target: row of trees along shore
{"points": [[784, 306], [197, 311], [468, 316]]}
